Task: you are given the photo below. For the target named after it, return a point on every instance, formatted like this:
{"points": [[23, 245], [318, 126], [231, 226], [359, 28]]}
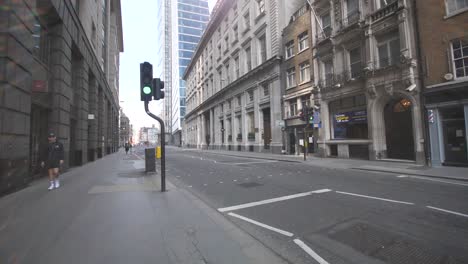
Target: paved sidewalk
{"points": [[109, 211], [398, 167]]}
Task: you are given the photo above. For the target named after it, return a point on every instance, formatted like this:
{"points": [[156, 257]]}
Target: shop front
{"points": [[347, 135], [447, 112]]}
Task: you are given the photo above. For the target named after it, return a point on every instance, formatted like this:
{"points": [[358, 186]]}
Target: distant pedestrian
{"points": [[53, 161], [127, 147]]}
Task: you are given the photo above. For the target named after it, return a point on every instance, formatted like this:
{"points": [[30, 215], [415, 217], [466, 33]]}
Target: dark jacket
{"points": [[55, 151]]}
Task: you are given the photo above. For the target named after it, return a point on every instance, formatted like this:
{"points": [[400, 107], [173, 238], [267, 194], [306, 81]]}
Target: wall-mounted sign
{"points": [[90, 116], [353, 117]]}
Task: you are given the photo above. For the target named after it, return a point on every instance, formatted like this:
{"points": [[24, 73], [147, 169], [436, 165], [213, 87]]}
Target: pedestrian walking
{"points": [[127, 147], [53, 161]]}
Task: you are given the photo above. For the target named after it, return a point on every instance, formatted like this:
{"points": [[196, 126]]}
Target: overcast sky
{"points": [[139, 46]]}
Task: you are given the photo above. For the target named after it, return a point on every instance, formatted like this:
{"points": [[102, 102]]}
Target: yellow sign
{"points": [[158, 152]]}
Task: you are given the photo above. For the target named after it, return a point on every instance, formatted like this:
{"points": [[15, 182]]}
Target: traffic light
{"points": [[146, 81], [311, 115], [158, 87]]}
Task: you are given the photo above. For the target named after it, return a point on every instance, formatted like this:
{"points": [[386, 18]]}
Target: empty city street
{"points": [[313, 214]]}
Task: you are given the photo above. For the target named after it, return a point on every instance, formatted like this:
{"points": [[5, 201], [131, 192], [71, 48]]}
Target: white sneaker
{"points": [[57, 184], [52, 186]]}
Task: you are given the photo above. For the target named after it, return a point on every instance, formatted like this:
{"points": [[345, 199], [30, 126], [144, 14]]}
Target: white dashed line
{"points": [[310, 251], [205, 184], [234, 180], [190, 186], [376, 198], [447, 211], [277, 230], [402, 176], [273, 200]]}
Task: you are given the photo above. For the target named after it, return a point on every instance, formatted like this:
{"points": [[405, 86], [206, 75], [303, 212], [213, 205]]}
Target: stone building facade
{"points": [[367, 71], [233, 80], [442, 27], [58, 72]]}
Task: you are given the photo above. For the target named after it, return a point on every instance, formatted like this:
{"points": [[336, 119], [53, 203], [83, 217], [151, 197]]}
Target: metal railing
{"points": [[325, 34], [387, 62], [386, 10], [350, 20]]}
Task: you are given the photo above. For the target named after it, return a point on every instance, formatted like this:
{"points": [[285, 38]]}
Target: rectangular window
{"points": [[303, 40], [237, 66], [289, 49], [220, 76], [388, 50], [239, 100], [292, 108], [226, 43], [251, 95], [246, 21], [304, 73], [384, 3], [228, 79], [291, 78], [248, 58], [352, 10], [328, 72], [455, 5], [326, 25], [266, 90], [261, 6], [355, 62], [219, 51], [235, 33], [460, 58], [262, 49]]}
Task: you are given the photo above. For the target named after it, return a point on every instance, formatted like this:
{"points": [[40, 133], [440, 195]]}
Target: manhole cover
{"points": [[249, 184], [389, 247]]}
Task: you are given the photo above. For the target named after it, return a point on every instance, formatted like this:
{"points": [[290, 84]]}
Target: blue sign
{"points": [[354, 117]]}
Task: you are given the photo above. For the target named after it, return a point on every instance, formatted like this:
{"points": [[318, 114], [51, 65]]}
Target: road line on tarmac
{"points": [[434, 180], [309, 251], [376, 198], [447, 211], [273, 200], [277, 230]]}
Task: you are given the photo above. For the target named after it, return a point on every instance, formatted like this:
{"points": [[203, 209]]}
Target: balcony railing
{"points": [[350, 20], [387, 62], [386, 10], [325, 34], [334, 81]]}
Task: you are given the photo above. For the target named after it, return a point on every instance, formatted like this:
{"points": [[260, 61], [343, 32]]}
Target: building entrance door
{"points": [[399, 129], [454, 130], [266, 128]]}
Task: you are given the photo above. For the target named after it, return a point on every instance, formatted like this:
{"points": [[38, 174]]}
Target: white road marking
{"points": [[402, 176], [437, 180], [246, 179], [259, 177], [252, 162], [220, 182], [234, 180], [190, 186], [273, 200], [447, 211], [310, 251], [277, 230], [205, 184], [376, 198], [178, 176]]}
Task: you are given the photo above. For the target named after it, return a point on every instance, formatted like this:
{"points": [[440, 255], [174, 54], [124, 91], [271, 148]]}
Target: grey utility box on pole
{"points": [[150, 160]]}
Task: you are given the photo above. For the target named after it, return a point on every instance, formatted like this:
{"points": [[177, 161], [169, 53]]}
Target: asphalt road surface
{"points": [[310, 214]]}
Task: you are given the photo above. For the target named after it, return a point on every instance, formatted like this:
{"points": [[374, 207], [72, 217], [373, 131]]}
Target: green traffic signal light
{"points": [[147, 90]]}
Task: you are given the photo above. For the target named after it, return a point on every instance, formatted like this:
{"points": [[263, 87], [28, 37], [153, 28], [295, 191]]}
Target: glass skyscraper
{"points": [[179, 27]]}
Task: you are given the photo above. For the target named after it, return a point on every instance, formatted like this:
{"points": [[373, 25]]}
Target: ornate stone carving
{"points": [[371, 91], [389, 88]]}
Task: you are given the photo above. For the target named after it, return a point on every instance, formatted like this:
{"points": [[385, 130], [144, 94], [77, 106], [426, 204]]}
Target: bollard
{"points": [[158, 152], [150, 161]]}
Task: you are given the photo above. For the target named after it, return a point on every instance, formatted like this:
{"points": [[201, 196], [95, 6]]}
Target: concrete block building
{"points": [[59, 70]]}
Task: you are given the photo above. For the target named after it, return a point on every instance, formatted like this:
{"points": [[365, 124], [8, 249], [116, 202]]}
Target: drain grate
{"points": [[389, 247], [250, 184]]}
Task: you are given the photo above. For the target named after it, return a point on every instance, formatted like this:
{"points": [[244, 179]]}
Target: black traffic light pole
{"points": [[163, 147]]}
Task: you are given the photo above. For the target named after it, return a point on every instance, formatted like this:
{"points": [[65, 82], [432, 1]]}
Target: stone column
{"points": [[82, 92], [212, 130], [61, 92], [100, 121], [94, 123], [275, 112]]}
